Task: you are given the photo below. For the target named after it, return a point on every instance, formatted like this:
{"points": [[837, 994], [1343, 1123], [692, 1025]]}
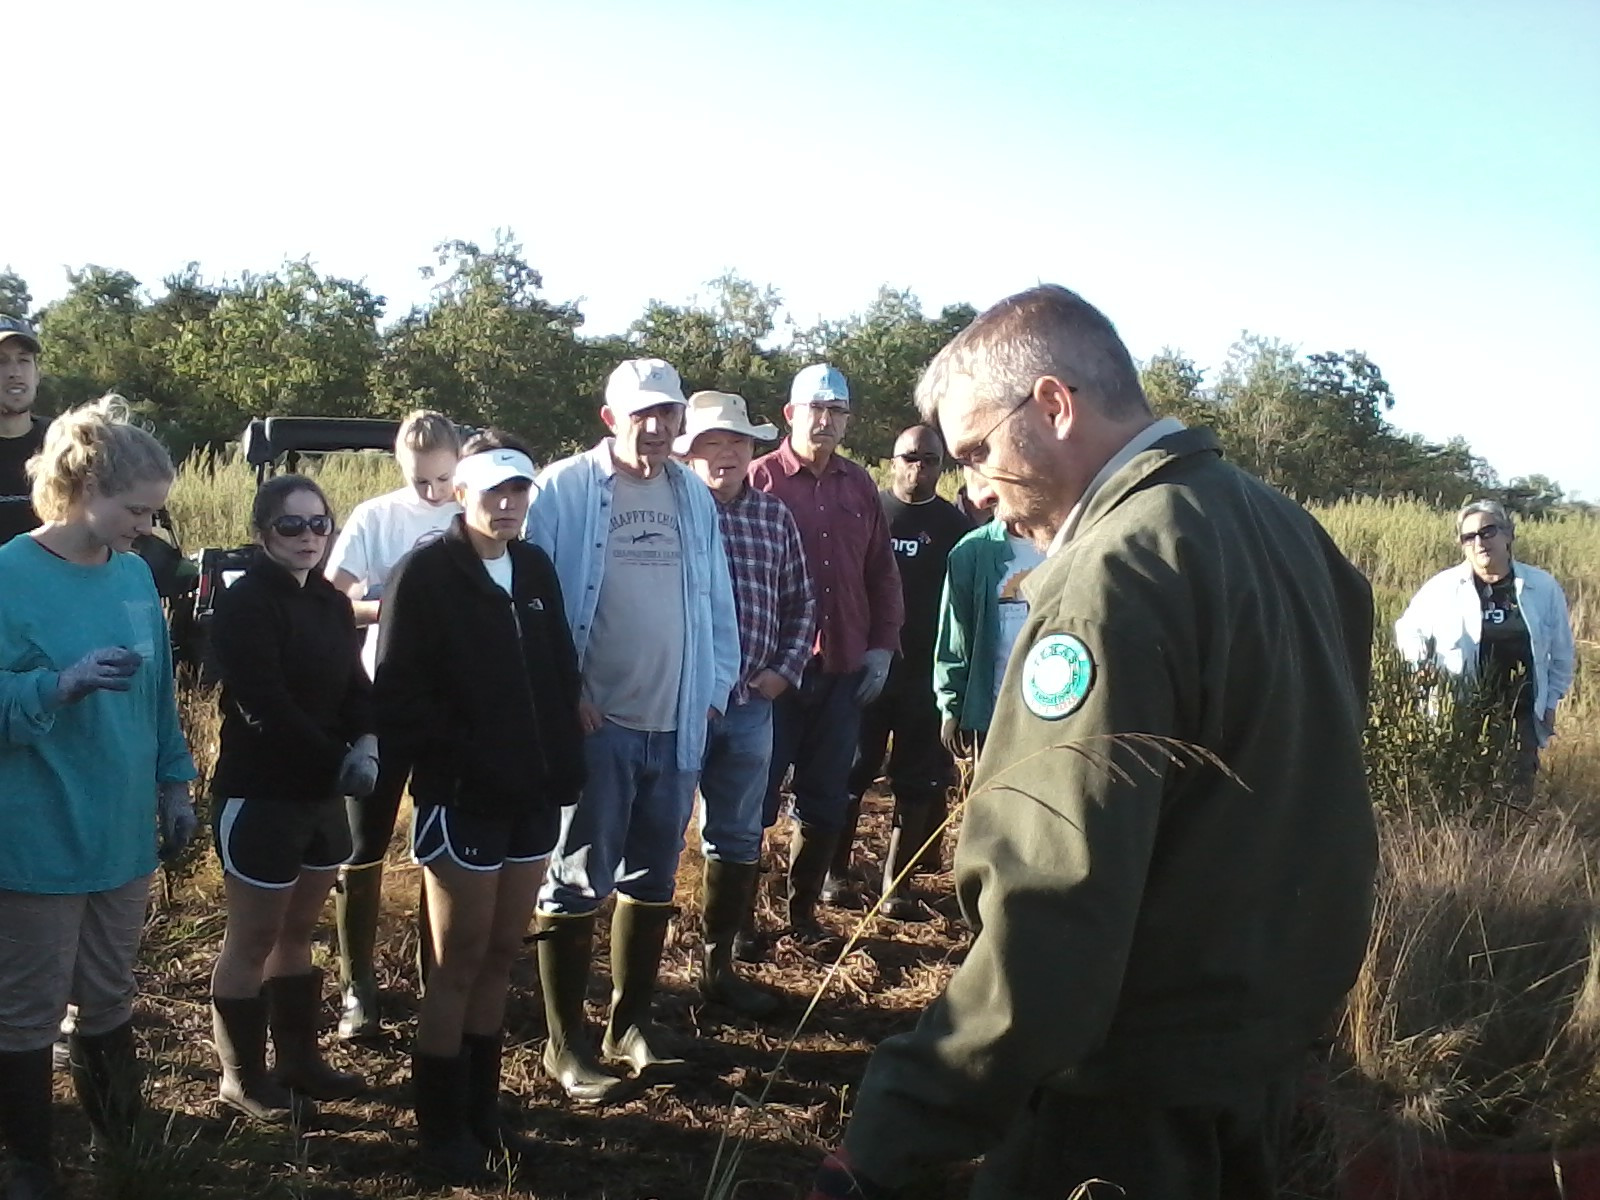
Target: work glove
{"points": [[358, 773], [111, 669], [175, 819], [874, 674], [837, 1180]]}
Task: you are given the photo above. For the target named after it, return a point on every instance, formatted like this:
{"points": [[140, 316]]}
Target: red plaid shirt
{"points": [[771, 592]]}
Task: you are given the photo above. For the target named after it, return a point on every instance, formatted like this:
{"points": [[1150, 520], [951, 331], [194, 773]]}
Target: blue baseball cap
{"points": [[820, 382]]}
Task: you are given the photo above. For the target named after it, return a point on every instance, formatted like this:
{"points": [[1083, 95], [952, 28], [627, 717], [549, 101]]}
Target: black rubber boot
{"points": [[638, 933], [839, 886], [726, 902], [486, 1120], [27, 1123], [931, 860], [811, 849], [355, 906], [294, 1008], [445, 1145], [566, 954], [911, 829], [239, 1030], [109, 1083]]}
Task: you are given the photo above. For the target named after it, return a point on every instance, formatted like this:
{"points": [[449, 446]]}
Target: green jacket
{"points": [[1153, 921], [969, 624]]}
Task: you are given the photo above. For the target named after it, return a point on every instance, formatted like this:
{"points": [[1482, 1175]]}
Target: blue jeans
{"points": [[815, 728], [733, 782], [625, 833]]}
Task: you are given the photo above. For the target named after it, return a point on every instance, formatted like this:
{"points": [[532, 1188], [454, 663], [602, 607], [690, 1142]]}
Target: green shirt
{"points": [[78, 783]]}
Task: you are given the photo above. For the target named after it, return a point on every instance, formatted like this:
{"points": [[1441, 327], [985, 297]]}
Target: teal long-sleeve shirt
{"points": [[78, 783]]}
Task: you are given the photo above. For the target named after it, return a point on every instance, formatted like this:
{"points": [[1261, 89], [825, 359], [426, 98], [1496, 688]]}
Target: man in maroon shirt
{"points": [[815, 727]]}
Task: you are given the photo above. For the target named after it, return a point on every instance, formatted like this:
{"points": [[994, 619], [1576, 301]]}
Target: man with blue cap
{"points": [[815, 727]]}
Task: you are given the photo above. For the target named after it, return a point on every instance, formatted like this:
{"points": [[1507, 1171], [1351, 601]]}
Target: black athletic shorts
{"points": [[269, 842], [482, 843]]}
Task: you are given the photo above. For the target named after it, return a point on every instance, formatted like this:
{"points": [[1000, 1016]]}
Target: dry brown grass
{"points": [[1476, 1019]]}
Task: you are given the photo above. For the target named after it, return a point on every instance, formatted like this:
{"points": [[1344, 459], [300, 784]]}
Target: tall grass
{"points": [[210, 500], [1476, 1017]]}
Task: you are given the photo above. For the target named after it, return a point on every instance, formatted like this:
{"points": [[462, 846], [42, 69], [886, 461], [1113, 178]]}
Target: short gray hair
{"points": [[1489, 508], [1046, 330]]}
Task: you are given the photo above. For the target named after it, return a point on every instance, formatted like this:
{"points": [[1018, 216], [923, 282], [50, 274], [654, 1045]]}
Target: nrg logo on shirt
{"points": [[908, 547]]}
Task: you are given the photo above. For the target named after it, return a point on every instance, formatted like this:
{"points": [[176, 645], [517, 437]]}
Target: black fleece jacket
{"points": [[294, 695], [479, 689]]}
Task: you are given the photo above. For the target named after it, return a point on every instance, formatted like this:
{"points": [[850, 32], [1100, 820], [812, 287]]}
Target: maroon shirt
{"points": [[846, 539]]}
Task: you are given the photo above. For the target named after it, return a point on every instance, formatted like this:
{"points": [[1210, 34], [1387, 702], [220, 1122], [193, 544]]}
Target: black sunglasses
{"points": [[935, 459], [1483, 532], [291, 526]]}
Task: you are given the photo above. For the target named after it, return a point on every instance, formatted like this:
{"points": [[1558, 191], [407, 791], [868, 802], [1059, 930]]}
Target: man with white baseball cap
{"points": [[815, 727], [777, 627], [635, 541], [21, 433]]}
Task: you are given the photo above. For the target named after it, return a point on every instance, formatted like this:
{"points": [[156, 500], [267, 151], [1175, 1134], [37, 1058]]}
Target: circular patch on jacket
{"points": [[1056, 676]]}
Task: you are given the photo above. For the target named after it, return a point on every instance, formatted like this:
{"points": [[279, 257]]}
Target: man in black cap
{"points": [[21, 433]]}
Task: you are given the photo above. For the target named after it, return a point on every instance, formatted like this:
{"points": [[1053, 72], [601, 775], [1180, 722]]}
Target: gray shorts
{"points": [[60, 950]]}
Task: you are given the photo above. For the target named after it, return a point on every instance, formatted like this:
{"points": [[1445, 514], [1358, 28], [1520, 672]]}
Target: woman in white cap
{"points": [[1499, 622], [478, 685], [379, 533]]}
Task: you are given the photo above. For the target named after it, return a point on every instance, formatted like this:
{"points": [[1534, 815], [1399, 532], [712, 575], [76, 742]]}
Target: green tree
{"points": [[488, 349], [1176, 388], [882, 352], [89, 340], [15, 299], [716, 342], [289, 342]]}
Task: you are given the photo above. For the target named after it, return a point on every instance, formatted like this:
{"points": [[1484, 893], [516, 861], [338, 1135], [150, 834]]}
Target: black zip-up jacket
{"points": [[479, 689], [294, 695]]}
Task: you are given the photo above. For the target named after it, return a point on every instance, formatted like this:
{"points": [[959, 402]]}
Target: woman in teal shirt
{"points": [[94, 777]]}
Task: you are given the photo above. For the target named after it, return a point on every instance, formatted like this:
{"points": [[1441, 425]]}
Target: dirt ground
{"points": [[662, 1144]]}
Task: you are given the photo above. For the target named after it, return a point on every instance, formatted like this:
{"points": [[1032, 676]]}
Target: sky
{"points": [[1416, 180]]}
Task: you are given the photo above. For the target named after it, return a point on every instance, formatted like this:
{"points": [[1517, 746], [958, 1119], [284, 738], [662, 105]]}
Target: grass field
{"points": [[663, 1143]]}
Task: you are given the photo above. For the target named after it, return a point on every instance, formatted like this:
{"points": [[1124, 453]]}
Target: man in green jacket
{"points": [[1169, 848], [981, 614]]}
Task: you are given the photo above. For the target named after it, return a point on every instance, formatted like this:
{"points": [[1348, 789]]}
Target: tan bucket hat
{"points": [[719, 411]]}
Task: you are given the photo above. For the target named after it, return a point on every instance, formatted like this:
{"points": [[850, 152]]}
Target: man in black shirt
{"points": [[21, 433], [923, 528]]}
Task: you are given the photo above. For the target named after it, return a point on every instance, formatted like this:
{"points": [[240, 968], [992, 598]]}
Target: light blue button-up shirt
{"points": [[568, 520]]}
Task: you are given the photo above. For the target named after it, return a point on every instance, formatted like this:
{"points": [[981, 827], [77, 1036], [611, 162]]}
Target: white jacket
{"points": [[1444, 622]]}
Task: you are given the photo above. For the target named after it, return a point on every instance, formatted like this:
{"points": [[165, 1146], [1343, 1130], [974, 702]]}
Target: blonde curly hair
{"points": [[94, 441]]}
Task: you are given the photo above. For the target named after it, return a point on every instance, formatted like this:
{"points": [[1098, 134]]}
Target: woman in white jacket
{"points": [[1498, 621]]}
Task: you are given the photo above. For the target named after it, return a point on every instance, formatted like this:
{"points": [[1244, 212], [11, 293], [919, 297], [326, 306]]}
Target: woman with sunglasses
{"points": [[297, 737], [1500, 623], [478, 686]]}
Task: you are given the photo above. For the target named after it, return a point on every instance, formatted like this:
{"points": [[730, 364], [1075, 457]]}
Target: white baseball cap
{"points": [[490, 468], [819, 381], [719, 411], [643, 383]]}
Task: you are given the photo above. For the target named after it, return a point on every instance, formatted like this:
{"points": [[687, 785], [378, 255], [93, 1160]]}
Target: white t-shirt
{"points": [[379, 533], [1013, 606], [634, 662], [500, 571]]}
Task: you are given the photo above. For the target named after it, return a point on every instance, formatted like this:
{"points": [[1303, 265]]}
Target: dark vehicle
{"points": [[190, 585]]}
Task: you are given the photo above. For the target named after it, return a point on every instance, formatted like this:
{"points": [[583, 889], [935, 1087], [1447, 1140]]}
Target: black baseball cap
{"points": [[16, 327]]}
